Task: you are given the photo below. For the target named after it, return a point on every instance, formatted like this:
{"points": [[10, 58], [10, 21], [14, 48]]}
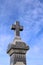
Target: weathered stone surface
{"points": [[17, 49], [17, 27], [18, 45], [19, 63], [17, 58]]}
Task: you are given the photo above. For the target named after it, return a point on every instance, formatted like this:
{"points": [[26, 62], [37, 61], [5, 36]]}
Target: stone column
{"points": [[17, 51]]}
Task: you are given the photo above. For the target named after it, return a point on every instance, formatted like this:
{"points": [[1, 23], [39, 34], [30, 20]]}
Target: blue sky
{"points": [[30, 15]]}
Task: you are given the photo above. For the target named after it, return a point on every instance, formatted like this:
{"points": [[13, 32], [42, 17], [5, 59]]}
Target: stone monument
{"points": [[17, 49]]}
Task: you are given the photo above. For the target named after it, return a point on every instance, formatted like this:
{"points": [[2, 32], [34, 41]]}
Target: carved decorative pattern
{"points": [[18, 58]]}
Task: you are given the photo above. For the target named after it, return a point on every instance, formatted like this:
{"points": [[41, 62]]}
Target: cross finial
{"points": [[17, 27]]}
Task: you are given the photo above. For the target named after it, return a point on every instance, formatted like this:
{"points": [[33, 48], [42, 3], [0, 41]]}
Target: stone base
{"points": [[18, 58], [19, 63], [17, 51]]}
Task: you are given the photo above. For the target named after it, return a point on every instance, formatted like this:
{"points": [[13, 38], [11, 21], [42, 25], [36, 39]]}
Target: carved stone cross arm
{"points": [[18, 28]]}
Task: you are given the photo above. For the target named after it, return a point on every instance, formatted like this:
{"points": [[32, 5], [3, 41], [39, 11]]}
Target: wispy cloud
{"points": [[35, 56], [31, 17]]}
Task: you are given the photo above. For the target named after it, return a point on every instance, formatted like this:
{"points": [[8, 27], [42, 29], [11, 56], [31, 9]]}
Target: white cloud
{"points": [[31, 16], [34, 55], [36, 49], [4, 41]]}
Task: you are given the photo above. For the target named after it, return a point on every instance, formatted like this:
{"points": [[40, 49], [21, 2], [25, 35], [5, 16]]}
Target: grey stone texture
{"points": [[17, 51], [17, 27]]}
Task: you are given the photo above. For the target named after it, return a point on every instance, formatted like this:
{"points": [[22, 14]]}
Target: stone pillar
{"points": [[17, 51]]}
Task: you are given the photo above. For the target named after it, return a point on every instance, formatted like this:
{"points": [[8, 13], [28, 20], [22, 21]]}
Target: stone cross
{"points": [[17, 27]]}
